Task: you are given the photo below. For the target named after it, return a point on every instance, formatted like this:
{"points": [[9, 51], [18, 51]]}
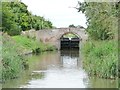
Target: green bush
{"points": [[50, 48], [100, 58], [14, 31]]}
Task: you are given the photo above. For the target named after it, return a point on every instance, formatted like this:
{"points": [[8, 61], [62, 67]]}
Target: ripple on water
{"points": [[65, 78]]}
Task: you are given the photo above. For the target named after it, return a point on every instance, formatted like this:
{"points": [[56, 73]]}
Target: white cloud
{"points": [[59, 12]]}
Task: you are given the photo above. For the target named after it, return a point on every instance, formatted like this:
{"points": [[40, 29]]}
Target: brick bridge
{"points": [[52, 36]]}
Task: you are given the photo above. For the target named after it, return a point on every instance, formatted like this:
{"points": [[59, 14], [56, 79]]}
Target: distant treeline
{"points": [[16, 17]]}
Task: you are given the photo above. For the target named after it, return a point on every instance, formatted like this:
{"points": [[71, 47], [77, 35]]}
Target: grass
{"points": [[100, 58], [0, 56], [13, 49], [12, 62], [32, 45]]}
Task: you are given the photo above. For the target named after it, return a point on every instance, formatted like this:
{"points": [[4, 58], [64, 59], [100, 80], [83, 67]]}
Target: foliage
{"points": [[101, 19], [100, 58], [40, 23], [72, 25], [32, 45], [12, 60], [16, 17], [8, 21], [101, 51], [70, 35], [0, 57]]}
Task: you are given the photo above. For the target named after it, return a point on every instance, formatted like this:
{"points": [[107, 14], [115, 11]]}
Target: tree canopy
{"points": [[101, 19], [72, 25], [16, 17]]}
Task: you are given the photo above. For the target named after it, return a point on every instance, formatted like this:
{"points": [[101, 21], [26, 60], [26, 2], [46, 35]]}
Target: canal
{"points": [[58, 69]]}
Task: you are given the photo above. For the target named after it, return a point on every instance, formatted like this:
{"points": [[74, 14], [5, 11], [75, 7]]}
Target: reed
{"points": [[100, 58]]}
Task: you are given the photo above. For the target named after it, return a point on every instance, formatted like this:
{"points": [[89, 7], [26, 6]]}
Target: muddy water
{"points": [[60, 69]]}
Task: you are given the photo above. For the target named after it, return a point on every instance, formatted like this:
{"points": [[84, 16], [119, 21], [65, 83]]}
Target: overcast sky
{"points": [[59, 12]]}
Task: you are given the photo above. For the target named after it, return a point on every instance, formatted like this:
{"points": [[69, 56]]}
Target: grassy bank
{"points": [[31, 45], [13, 50], [0, 57], [100, 58], [12, 62]]}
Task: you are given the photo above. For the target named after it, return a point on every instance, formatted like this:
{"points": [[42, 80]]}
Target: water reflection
{"points": [[60, 71], [70, 58]]}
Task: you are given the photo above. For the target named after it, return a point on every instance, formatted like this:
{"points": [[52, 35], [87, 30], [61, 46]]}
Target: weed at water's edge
{"points": [[30, 44], [100, 58], [12, 60]]}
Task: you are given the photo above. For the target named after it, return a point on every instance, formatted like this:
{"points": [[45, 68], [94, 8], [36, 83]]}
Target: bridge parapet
{"points": [[52, 36]]}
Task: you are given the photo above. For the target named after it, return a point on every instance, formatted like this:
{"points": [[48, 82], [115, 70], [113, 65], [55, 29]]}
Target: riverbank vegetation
{"points": [[12, 60], [101, 58], [32, 45], [15, 19], [13, 50], [101, 50]]}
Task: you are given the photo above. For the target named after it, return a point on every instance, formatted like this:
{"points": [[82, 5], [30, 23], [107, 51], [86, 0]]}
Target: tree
{"points": [[72, 25], [16, 18], [101, 19], [8, 20]]}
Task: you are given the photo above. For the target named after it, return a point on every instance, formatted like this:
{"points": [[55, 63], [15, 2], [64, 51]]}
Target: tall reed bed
{"points": [[101, 58]]}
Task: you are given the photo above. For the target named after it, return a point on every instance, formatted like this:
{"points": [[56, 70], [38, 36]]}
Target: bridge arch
{"points": [[60, 35], [52, 36], [61, 40]]}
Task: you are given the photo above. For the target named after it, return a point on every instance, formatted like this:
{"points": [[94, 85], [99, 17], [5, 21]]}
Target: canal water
{"points": [[59, 69]]}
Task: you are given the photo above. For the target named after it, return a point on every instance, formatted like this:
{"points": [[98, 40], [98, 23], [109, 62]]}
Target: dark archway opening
{"points": [[69, 41]]}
